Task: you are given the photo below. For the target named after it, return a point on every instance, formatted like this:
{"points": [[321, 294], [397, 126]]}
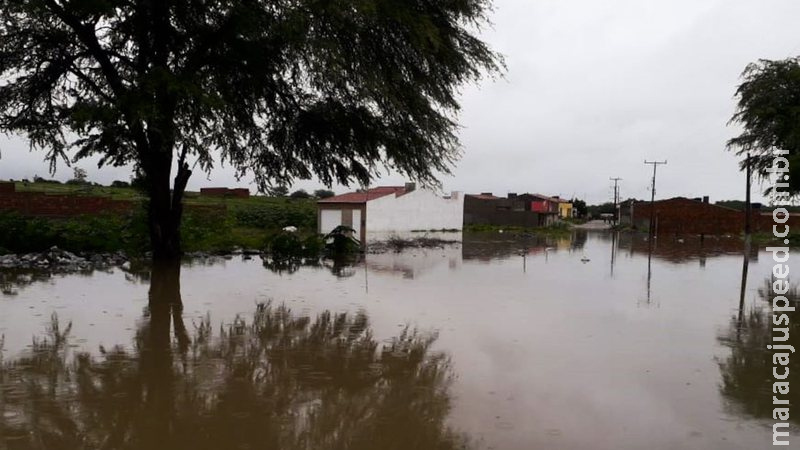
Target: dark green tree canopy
{"points": [[769, 111], [324, 193], [580, 207], [282, 89], [278, 89], [300, 193]]}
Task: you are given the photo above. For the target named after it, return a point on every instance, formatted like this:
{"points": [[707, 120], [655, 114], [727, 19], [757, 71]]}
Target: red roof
{"points": [[362, 197]]}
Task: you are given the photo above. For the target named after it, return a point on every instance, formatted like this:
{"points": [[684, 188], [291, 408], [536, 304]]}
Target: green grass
{"points": [[80, 189], [558, 229], [102, 233], [768, 238]]}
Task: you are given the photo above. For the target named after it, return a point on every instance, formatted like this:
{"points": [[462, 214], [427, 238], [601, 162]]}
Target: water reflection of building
{"points": [[488, 246], [414, 262], [685, 249]]}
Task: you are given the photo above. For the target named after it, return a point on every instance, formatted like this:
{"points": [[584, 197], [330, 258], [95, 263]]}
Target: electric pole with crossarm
{"points": [[653, 195], [616, 199]]}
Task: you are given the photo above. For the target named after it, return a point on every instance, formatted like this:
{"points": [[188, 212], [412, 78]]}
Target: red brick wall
{"points": [[39, 204], [684, 216], [44, 205], [225, 192]]}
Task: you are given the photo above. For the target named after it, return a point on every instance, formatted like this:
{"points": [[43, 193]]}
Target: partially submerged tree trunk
{"points": [[165, 211], [165, 207]]}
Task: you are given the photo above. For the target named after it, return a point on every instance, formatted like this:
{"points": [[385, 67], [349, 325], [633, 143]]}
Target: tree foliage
{"points": [[300, 193], [278, 191], [324, 193], [279, 90], [580, 207], [79, 176], [769, 111], [285, 88]]}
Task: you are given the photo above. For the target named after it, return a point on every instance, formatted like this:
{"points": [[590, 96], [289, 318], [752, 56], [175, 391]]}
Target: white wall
{"points": [[329, 219], [332, 218], [420, 209], [357, 222]]}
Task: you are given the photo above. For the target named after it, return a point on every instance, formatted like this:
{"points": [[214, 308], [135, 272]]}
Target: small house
{"points": [[565, 210], [388, 210]]}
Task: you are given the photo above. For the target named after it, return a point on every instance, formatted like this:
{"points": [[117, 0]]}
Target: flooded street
{"points": [[503, 342]]}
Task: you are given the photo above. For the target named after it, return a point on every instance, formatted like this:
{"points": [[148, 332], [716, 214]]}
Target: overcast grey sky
{"points": [[592, 89]]}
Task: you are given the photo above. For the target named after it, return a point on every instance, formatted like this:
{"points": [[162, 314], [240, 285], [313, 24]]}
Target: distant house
{"points": [[544, 204], [565, 210], [685, 216], [391, 209], [547, 206], [521, 210]]}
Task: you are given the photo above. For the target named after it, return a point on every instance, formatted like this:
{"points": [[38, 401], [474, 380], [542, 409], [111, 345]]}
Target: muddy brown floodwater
{"points": [[503, 342]]}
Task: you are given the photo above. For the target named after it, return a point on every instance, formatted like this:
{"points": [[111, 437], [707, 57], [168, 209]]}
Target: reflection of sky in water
{"points": [[550, 352]]}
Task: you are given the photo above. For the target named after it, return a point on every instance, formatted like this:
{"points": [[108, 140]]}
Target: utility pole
{"points": [[616, 199], [655, 165], [747, 240], [747, 206]]}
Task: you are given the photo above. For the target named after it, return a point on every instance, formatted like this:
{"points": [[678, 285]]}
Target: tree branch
{"points": [[89, 39], [91, 83]]}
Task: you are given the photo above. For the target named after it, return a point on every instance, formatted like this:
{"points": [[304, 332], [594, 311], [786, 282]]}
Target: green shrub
{"points": [[245, 223], [206, 231], [104, 233], [313, 246], [20, 234], [277, 214], [286, 246]]}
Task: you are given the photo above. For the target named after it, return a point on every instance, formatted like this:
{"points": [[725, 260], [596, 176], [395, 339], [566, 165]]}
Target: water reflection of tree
{"points": [[14, 279], [275, 381], [11, 280], [341, 266], [747, 371]]}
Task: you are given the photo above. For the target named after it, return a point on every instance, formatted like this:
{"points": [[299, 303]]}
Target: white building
{"points": [[388, 210]]}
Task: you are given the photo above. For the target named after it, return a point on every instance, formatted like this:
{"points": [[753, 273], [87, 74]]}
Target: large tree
{"points": [[768, 109], [278, 89]]}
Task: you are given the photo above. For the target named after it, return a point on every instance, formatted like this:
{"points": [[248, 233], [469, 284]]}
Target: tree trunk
{"points": [[157, 152], [165, 209]]}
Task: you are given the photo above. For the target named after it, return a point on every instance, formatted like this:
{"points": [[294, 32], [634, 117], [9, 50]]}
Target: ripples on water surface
{"points": [[503, 342]]}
